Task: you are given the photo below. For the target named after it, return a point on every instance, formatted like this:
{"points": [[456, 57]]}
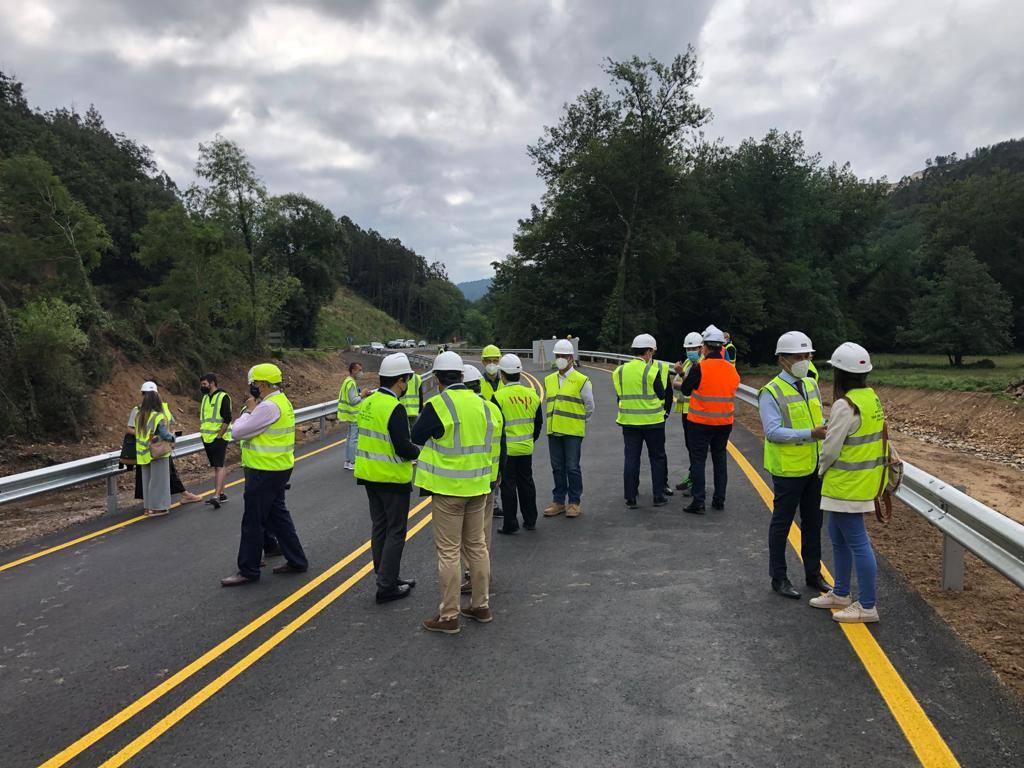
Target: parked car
{"points": [[422, 343], [376, 345], [410, 343], [395, 344]]}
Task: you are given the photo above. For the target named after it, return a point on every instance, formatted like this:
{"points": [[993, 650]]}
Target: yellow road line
{"points": [[102, 730], [182, 711], [924, 738], [140, 518]]}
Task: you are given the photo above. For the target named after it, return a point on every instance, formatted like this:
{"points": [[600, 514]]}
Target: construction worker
{"points": [[524, 420], [569, 402], [385, 469], [691, 352], [413, 397], [711, 385], [792, 421], [490, 356], [215, 428], [854, 472], [457, 431], [811, 370], [349, 398], [644, 402], [729, 350], [266, 431]]}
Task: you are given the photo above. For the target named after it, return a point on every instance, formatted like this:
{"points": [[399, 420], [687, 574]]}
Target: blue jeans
{"points": [[353, 441], [564, 451], [851, 548]]}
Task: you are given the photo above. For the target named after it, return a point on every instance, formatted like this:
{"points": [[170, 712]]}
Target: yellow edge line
{"points": [[924, 738], [96, 534], [105, 728], [196, 700]]}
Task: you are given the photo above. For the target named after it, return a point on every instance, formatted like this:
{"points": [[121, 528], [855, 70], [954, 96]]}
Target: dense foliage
{"points": [[645, 226]]}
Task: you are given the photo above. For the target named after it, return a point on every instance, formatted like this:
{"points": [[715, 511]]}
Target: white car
{"points": [[422, 344], [376, 345], [410, 343]]}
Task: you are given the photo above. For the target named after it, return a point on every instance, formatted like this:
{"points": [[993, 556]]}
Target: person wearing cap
{"points": [[524, 420], [711, 385], [150, 423], [793, 426], [349, 398], [458, 432], [644, 402], [569, 402], [491, 382], [691, 354], [266, 433], [853, 471], [385, 468]]}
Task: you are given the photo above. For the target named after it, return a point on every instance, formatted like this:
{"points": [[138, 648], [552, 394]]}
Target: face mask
{"points": [[492, 369], [205, 390], [800, 369], [693, 356], [561, 363], [254, 390], [359, 374]]}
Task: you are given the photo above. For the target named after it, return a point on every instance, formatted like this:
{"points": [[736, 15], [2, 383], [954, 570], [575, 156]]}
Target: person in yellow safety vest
{"points": [[266, 433], [471, 378], [457, 431], [793, 426], [177, 487], [524, 420], [491, 381], [215, 428], [569, 405], [151, 425], [644, 402], [691, 350], [811, 370], [729, 350], [349, 397], [385, 469], [412, 400], [853, 468]]}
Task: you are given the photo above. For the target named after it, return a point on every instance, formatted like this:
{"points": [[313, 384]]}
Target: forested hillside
{"points": [[647, 226], [103, 255]]}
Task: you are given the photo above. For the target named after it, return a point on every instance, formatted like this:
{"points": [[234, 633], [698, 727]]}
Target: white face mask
{"points": [[492, 369], [800, 369], [561, 363]]}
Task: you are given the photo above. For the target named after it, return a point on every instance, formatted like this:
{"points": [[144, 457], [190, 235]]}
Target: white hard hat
{"points": [[850, 357], [564, 347], [644, 341], [448, 361], [470, 373], [395, 365], [713, 334], [511, 364], [692, 340], [793, 343], [149, 386]]}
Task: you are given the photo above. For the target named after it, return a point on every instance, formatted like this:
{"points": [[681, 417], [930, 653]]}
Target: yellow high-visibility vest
{"points": [[209, 416], [565, 410], [798, 412], [144, 433], [638, 405], [273, 449], [377, 460], [459, 463], [411, 398], [858, 473], [346, 411], [519, 405]]}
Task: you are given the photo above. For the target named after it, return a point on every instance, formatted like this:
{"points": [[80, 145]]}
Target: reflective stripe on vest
{"points": [[487, 389], [499, 426], [681, 402], [460, 462], [713, 401], [209, 417], [794, 459], [411, 398], [566, 411], [519, 406], [143, 435], [346, 411], [634, 384], [377, 460], [273, 449], [858, 473]]}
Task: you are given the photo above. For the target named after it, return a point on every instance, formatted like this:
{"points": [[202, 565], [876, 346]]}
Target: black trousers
{"points": [[518, 491], [389, 512], [686, 442], [791, 493], [265, 512], [705, 438], [633, 440]]}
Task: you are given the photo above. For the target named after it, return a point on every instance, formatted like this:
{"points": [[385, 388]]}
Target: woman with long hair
{"points": [[151, 428], [853, 467]]}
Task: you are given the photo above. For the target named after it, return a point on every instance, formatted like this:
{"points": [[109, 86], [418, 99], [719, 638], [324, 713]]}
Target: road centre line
{"points": [[105, 728], [139, 518], [210, 689]]}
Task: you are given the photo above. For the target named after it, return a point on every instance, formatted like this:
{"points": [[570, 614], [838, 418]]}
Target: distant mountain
{"points": [[474, 290]]}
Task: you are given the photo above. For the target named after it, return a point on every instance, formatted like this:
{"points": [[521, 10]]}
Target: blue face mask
{"points": [[694, 356]]}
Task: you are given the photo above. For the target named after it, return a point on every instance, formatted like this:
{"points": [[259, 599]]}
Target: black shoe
{"points": [[719, 505], [669, 491], [694, 508], [528, 527], [630, 503], [660, 501], [410, 583], [223, 498], [681, 486], [784, 588], [498, 512], [508, 531], [213, 502], [818, 583], [402, 590]]}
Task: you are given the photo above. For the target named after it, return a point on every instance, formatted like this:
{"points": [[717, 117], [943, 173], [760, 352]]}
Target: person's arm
{"points": [[771, 421], [427, 426], [225, 415], [398, 431], [354, 398], [668, 398], [538, 423], [131, 420], [248, 425], [692, 380], [163, 432], [587, 395], [841, 421]]}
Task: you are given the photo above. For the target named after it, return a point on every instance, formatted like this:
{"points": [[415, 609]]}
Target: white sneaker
{"points": [[830, 600], [856, 614], [350, 466]]}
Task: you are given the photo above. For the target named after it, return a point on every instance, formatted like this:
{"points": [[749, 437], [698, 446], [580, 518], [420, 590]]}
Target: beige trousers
{"points": [[458, 531]]}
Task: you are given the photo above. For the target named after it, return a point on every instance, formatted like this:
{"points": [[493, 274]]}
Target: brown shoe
{"points": [[553, 509], [437, 624], [236, 581], [573, 510], [483, 615]]}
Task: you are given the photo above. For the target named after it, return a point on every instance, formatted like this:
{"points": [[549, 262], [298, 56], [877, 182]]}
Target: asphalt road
{"points": [[623, 638]]}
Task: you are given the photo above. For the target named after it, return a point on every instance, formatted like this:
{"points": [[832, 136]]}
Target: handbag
{"points": [[160, 449], [127, 457]]}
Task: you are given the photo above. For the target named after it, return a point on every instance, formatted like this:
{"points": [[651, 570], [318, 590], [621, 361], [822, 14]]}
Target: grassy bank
{"points": [[351, 316]]}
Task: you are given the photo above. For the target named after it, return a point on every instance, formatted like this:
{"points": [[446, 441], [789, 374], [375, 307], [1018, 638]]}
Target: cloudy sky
{"points": [[413, 117]]}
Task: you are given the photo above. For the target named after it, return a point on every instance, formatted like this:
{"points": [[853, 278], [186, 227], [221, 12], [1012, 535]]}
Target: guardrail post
{"points": [[953, 559], [111, 494], [323, 424]]}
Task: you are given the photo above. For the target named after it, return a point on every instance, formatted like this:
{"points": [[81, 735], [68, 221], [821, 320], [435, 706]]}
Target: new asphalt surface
{"points": [[623, 638]]}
